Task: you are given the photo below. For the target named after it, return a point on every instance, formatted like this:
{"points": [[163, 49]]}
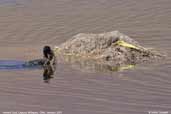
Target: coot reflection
{"points": [[47, 63], [48, 72]]}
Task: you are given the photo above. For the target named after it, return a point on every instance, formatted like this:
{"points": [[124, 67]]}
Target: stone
{"points": [[111, 48]]}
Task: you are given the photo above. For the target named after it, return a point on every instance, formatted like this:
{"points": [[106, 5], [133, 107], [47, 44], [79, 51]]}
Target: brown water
{"points": [[27, 25]]}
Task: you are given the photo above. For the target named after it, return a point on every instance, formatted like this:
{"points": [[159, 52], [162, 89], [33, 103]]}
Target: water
{"points": [[16, 65], [2, 2], [27, 25]]}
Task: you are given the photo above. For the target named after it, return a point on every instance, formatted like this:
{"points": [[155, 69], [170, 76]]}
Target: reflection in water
{"points": [[88, 65], [19, 65], [30, 65], [48, 72]]}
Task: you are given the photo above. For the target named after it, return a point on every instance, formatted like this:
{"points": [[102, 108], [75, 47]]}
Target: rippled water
{"points": [[27, 25]]}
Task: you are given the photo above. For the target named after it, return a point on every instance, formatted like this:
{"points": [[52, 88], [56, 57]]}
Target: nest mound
{"points": [[112, 48]]}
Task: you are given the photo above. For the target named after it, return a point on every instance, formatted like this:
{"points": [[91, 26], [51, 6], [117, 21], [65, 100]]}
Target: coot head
{"points": [[47, 52]]}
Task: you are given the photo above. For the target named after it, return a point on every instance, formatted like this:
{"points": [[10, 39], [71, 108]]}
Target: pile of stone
{"points": [[111, 48]]}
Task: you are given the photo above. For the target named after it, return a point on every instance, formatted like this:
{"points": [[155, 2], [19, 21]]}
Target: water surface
{"points": [[27, 25]]}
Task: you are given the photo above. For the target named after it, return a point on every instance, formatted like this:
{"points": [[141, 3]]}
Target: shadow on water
{"points": [[13, 65]]}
